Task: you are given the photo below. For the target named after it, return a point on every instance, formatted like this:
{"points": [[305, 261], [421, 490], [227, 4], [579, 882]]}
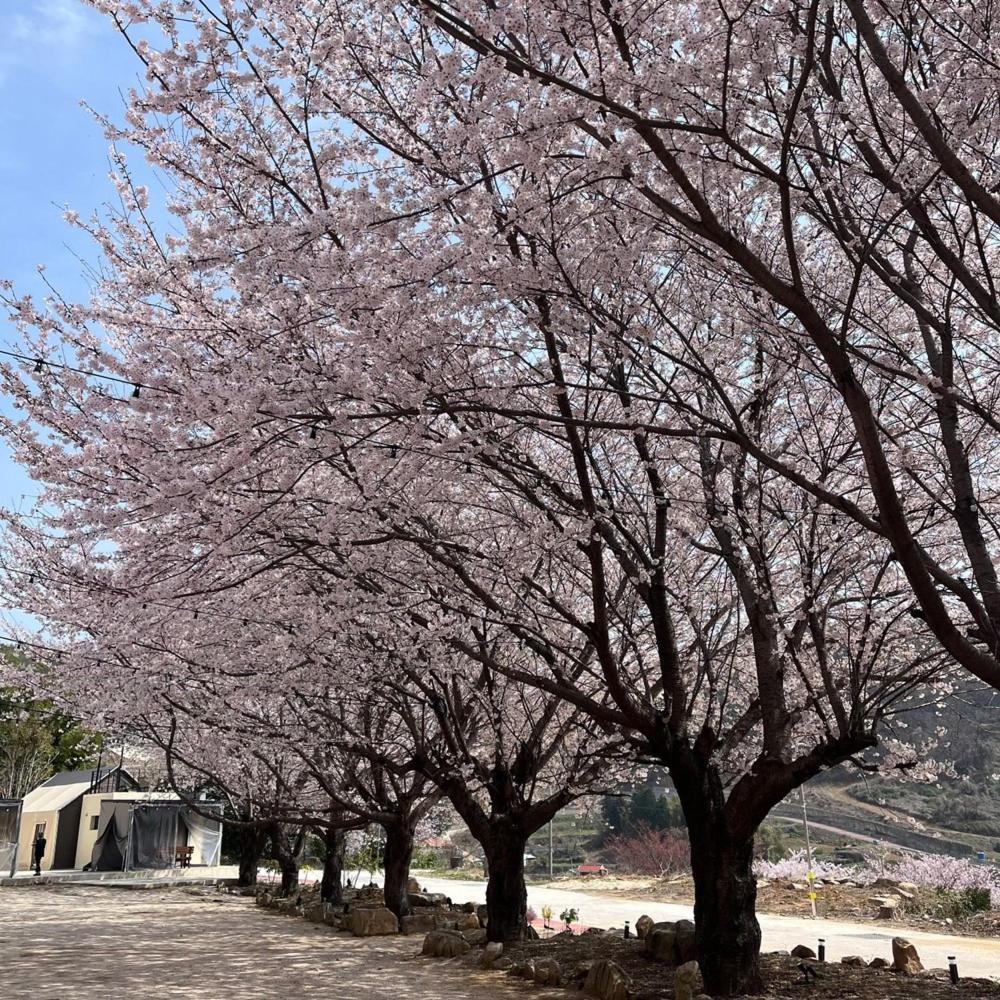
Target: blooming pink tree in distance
{"points": [[640, 355]]}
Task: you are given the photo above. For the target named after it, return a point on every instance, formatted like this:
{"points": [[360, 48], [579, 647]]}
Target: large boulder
{"points": [[373, 921], [905, 959], [674, 943], [445, 944], [607, 981], [887, 907], [412, 885], [419, 923], [684, 981], [419, 899], [315, 912], [643, 926]]}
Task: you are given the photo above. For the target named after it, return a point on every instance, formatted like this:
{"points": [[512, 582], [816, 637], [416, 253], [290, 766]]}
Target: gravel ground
{"points": [[82, 943]]}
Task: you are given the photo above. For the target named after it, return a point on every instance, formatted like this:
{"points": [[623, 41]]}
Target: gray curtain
{"points": [[154, 835], [112, 837]]}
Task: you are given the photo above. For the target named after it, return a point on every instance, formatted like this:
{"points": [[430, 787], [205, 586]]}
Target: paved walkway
{"points": [[89, 943]]}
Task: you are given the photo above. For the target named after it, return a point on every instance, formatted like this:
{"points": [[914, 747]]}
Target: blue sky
{"points": [[54, 54]]}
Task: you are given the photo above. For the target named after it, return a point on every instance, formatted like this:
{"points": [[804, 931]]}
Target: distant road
{"points": [[848, 834], [870, 827]]}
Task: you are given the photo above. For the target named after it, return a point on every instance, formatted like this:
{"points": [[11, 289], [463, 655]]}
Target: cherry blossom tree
{"points": [[578, 339]]}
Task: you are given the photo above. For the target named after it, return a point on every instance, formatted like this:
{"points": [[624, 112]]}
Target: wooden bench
{"points": [[182, 856]]}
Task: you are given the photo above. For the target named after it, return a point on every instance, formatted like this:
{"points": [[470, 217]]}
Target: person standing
{"points": [[38, 851]]}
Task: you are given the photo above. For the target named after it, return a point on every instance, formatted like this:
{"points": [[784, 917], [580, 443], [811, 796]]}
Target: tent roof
{"points": [[75, 777], [60, 790]]}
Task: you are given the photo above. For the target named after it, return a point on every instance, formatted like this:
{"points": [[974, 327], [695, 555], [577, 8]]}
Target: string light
{"points": [[40, 364]]}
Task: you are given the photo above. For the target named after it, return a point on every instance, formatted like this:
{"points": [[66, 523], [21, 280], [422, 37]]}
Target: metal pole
{"points": [[805, 823], [551, 871], [128, 843], [809, 854]]}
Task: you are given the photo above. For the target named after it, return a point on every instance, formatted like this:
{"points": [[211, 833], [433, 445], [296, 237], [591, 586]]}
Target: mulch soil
{"points": [[782, 976]]}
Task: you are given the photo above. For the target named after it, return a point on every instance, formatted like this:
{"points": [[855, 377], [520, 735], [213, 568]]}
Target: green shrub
{"points": [[955, 904], [425, 857]]}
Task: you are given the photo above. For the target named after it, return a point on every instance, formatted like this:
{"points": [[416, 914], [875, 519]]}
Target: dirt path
{"points": [[119, 944]]}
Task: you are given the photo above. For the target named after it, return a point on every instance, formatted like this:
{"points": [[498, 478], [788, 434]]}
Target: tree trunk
{"points": [[289, 875], [506, 895], [396, 865], [332, 886], [286, 853], [725, 894], [251, 840]]}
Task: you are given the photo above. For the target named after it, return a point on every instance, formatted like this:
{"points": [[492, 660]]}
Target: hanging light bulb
{"points": [[135, 391], [39, 365]]}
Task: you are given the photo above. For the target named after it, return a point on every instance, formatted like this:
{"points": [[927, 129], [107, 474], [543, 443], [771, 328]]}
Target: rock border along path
{"points": [[979, 957]]}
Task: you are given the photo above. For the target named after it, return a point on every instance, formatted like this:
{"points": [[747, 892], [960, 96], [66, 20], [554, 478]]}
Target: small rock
{"points": [[502, 965], [878, 963], [684, 979], [855, 960], [548, 972], [802, 951], [526, 970], [492, 951], [905, 959], [445, 944], [412, 885], [607, 981]]}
